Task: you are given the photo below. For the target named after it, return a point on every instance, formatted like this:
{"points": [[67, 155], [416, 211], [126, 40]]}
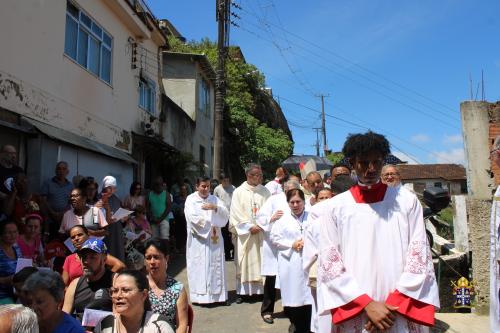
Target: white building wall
{"points": [[39, 81]]}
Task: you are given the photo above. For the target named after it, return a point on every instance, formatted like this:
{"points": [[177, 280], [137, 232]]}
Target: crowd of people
{"points": [[346, 249]]}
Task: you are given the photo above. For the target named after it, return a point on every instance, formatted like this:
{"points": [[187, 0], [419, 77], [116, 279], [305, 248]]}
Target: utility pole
{"points": [[223, 9], [317, 140], [323, 123]]}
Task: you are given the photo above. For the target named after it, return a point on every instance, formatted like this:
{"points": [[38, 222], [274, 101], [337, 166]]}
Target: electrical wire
{"points": [[357, 65]]}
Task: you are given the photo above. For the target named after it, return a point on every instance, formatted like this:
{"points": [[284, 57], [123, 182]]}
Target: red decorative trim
{"points": [[350, 310], [369, 193], [413, 309]]}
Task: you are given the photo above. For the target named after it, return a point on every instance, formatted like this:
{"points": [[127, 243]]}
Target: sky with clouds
{"points": [[400, 68]]}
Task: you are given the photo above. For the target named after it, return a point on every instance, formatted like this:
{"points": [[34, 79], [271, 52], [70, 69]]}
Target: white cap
{"points": [[108, 181]]}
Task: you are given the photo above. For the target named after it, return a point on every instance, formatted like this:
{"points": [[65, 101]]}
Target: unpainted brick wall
{"points": [[494, 131]]}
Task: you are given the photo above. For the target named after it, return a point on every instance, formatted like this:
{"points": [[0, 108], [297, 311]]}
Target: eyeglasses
{"points": [[255, 174], [390, 174], [113, 292]]}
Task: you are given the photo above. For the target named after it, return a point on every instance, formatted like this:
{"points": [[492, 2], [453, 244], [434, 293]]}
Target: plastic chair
{"points": [[190, 318]]}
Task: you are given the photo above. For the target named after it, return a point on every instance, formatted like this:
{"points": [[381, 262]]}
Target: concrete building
{"points": [[418, 177], [480, 126], [77, 79], [189, 82]]}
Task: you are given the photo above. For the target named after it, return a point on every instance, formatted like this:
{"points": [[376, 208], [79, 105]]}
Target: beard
{"points": [[88, 272]]}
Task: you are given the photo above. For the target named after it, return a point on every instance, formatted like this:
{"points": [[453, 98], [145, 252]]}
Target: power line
{"points": [[357, 65], [362, 127], [364, 85]]}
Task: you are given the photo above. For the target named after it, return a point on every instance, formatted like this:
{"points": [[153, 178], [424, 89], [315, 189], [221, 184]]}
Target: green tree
{"points": [[254, 141], [335, 157]]}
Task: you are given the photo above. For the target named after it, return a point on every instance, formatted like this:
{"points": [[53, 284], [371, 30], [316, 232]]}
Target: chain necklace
{"points": [[300, 223]]}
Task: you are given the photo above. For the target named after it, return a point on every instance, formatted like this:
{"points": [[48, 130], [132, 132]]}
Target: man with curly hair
{"points": [[375, 267]]}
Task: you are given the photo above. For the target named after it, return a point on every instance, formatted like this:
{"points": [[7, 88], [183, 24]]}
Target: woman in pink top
{"points": [[134, 198], [72, 267], [81, 214], [30, 242]]}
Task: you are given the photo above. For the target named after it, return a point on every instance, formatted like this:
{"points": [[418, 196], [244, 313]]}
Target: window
{"points": [[204, 97], [438, 184], [87, 43], [147, 95], [202, 155]]}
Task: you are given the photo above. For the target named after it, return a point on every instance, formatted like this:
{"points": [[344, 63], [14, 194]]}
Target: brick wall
{"points": [[494, 131]]}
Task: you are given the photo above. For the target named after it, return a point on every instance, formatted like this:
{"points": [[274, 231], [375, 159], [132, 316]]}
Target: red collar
{"points": [[368, 194]]}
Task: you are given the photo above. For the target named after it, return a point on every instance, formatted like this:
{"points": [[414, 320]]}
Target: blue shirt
{"points": [[57, 194], [69, 325], [7, 268]]}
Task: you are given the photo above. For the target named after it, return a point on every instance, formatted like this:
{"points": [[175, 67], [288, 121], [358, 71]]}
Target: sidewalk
{"points": [[461, 323]]}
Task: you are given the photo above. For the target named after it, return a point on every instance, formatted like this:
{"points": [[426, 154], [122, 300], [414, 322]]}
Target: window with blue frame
{"points": [[204, 97], [147, 95], [87, 43]]}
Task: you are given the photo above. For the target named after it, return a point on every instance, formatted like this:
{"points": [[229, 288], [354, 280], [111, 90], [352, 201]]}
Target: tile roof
{"points": [[432, 171]]}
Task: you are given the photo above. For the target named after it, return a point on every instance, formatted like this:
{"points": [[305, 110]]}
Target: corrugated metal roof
{"points": [[79, 141]]}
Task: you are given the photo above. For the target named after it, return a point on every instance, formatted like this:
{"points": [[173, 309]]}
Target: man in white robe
{"points": [[205, 216], [375, 267], [275, 185], [272, 210], [314, 184], [245, 205]]}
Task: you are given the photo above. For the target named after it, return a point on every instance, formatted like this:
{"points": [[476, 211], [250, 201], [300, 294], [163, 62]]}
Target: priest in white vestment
{"points": [[245, 205], [495, 247], [271, 211], [275, 186], [287, 234], [375, 266], [205, 216]]}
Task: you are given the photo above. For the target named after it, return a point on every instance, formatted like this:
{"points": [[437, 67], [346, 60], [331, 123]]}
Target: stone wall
{"points": [[479, 243]]}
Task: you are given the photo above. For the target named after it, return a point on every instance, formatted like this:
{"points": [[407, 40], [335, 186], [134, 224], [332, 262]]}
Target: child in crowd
{"points": [[139, 222]]}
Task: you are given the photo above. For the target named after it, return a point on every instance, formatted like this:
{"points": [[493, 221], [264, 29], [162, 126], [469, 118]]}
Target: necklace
{"points": [[300, 223]]}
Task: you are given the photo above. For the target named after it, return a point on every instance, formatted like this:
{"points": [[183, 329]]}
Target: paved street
{"points": [[237, 318], [245, 318]]}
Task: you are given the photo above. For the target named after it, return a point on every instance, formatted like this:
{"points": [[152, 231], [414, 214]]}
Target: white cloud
{"points": [[452, 139], [420, 138], [405, 157], [455, 155]]}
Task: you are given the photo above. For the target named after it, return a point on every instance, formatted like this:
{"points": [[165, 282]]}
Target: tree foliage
{"points": [[251, 140], [335, 157]]}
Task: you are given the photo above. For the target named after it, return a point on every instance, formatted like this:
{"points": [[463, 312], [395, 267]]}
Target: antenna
{"points": [[470, 87], [483, 97]]}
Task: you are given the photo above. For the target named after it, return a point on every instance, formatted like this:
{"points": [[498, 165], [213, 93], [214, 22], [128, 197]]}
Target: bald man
{"points": [[8, 166]]}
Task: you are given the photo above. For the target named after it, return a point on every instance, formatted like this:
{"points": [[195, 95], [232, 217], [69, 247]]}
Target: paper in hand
{"points": [[23, 262], [121, 213], [69, 245], [91, 317]]}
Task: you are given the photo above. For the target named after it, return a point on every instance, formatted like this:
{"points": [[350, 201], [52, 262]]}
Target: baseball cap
{"points": [[94, 244]]}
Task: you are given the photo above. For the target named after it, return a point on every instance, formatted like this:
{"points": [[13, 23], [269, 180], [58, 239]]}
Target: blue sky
{"points": [[400, 68]]}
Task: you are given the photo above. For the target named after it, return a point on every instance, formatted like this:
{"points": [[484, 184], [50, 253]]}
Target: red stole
{"points": [[368, 193]]}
